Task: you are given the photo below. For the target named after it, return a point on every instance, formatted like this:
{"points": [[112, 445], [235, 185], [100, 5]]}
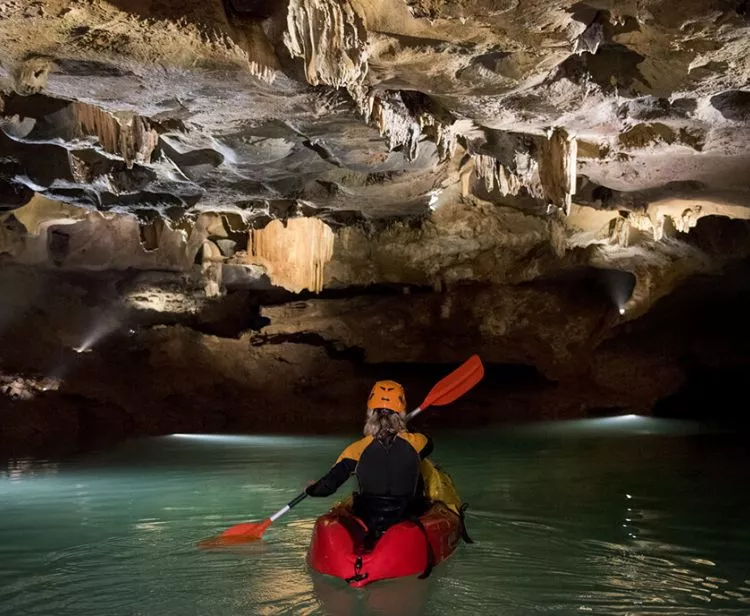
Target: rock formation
{"points": [[233, 202]]}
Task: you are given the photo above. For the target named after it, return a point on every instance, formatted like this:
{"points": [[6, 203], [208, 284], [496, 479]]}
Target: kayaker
{"points": [[386, 463]]}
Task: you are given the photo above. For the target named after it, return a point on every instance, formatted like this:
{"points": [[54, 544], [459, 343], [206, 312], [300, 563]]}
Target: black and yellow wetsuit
{"points": [[387, 471]]}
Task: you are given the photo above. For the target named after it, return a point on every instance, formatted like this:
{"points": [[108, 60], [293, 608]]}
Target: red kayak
{"points": [[337, 547]]}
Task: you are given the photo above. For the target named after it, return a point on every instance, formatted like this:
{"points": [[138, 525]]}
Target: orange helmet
{"points": [[387, 395]]}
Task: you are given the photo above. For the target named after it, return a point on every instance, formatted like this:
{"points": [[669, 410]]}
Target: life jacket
{"points": [[389, 467]]}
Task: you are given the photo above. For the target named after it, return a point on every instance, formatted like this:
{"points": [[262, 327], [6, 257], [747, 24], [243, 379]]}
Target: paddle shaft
{"points": [[296, 501], [414, 413]]}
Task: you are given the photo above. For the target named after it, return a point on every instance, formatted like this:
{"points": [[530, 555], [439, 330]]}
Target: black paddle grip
{"points": [[298, 499]]}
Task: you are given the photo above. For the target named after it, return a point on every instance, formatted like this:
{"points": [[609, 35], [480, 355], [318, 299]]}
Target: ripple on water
{"points": [[559, 530]]}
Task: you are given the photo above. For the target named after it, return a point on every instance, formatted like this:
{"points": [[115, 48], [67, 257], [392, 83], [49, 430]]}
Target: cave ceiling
{"points": [[233, 214], [440, 141]]}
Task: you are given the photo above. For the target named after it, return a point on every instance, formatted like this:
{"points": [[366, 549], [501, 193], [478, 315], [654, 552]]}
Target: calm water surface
{"points": [[613, 517]]}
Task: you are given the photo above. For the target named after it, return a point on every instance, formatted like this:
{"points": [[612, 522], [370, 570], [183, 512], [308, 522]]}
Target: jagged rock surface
{"points": [[496, 176]]}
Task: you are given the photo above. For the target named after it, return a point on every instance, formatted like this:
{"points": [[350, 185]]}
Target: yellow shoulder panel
{"points": [[354, 451], [415, 439]]}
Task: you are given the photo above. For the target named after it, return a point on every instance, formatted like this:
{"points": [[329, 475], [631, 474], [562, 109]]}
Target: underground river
{"points": [[623, 516]]}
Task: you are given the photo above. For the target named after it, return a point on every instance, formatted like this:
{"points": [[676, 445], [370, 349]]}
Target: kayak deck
{"points": [[338, 545]]}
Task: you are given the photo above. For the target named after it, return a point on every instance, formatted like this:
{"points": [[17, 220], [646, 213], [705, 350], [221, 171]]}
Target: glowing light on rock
{"points": [[619, 285], [160, 300], [434, 198], [24, 388], [295, 254], [100, 330]]}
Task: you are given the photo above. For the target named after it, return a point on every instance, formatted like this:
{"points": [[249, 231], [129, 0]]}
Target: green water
{"points": [[625, 516]]}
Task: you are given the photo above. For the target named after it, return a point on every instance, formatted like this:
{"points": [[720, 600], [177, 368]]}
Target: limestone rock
{"points": [[295, 255], [331, 38], [127, 135], [308, 191]]}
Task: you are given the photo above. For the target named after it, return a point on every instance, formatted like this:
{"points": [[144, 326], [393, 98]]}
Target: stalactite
{"points": [[557, 167], [397, 126], [620, 232], [642, 221], [212, 260], [363, 98], [127, 135], [294, 255], [391, 117], [590, 39], [331, 38], [262, 72], [444, 135], [687, 221], [496, 176]]}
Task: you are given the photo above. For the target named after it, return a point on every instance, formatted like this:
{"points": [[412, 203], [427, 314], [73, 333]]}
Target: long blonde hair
{"points": [[383, 425]]}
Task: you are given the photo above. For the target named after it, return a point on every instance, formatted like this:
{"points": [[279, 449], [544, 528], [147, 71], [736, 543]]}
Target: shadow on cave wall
{"points": [[502, 396], [705, 322], [60, 423], [715, 358], [592, 283], [154, 382], [711, 395]]}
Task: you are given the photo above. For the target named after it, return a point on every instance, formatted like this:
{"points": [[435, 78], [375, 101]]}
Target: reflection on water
{"points": [[19, 468], [627, 516], [403, 597]]}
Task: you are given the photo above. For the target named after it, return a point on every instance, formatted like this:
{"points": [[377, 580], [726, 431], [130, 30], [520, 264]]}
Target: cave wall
{"points": [[252, 209], [82, 362]]}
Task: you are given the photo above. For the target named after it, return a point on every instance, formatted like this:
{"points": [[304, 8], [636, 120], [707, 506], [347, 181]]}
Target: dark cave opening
{"points": [[713, 395]]}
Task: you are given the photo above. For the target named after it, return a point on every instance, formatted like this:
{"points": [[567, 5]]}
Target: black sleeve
{"points": [[334, 479], [427, 449]]}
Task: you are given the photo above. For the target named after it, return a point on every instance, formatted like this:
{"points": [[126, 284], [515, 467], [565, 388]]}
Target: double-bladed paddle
{"points": [[448, 389]]}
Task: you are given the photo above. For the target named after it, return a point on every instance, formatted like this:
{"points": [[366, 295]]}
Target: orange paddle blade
{"points": [[225, 542], [456, 384], [248, 531]]}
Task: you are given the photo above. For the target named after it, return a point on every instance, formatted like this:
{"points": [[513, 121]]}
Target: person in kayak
{"points": [[386, 463]]}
